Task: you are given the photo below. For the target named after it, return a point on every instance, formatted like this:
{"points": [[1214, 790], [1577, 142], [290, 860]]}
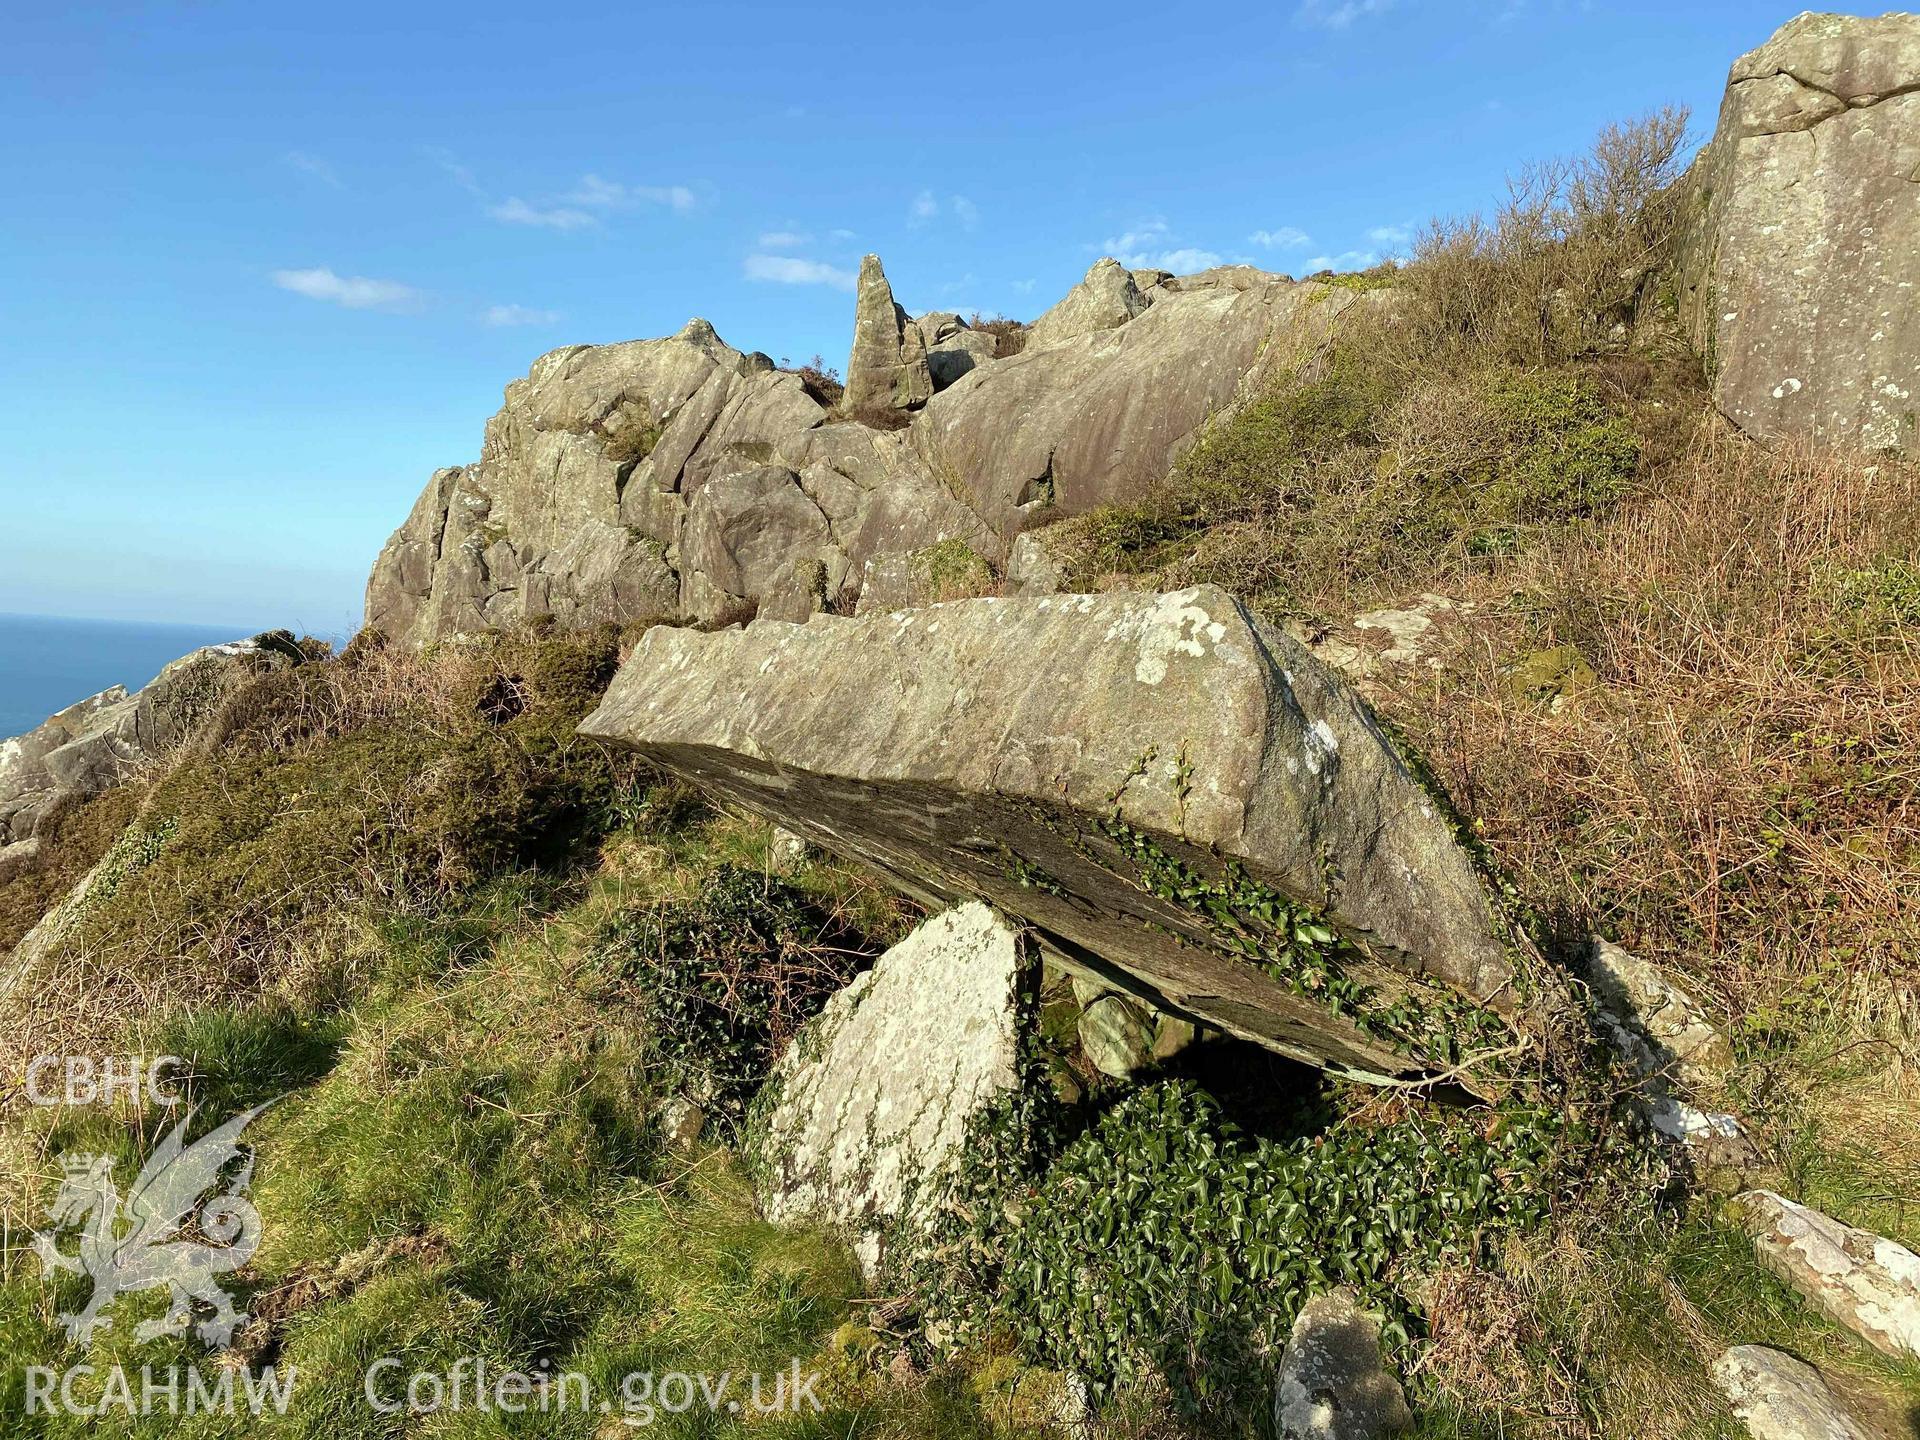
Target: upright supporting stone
{"points": [[887, 372]]}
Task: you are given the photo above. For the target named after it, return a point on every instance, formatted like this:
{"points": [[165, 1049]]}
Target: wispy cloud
{"points": [[928, 207], [784, 240], [515, 211], [316, 167], [1152, 245], [598, 194], [792, 270], [355, 292], [1284, 238], [1392, 236], [505, 315], [1336, 14]]}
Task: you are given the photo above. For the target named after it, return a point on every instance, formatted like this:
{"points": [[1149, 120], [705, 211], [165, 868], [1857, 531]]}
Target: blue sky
{"points": [[264, 267]]}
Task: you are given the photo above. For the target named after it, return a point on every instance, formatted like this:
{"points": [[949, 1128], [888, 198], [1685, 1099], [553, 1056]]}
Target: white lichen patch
{"points": [[1174, 626]]}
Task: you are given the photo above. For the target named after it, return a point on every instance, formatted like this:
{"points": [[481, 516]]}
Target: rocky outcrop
{"points": [[1174, 794], [1861, 1281], [1106, 299], [683, 479], [887, 372], [1800, 249], [1780, 1398], [106, 739], [1101, 417], [870, 1105], [1333, 1383], [1667, 1026]]}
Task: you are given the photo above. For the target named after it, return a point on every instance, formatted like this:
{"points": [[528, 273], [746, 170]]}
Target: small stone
{"points": [[1861, 1281], [1333, 1383], [1780, 1398]]}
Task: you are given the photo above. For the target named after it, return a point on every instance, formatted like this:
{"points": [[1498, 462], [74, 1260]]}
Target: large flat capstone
{"points": [[1176, 796]]}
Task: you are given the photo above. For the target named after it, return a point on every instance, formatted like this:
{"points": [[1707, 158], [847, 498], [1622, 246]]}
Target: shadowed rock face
{"points": [[681, 478], [1800, 255], [1091, 764]]}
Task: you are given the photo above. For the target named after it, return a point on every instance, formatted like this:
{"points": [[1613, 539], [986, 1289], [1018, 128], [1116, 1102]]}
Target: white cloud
{"points": [[313, 165], [356, 292], [1151, 245], [927, 206], [1284, 238], [1337, 14], [783, 240], [1025, 287], [598, 194], [791, 270], [1392, 236], [1185, 261], [515, 211], [500, 315], [841, 234]]}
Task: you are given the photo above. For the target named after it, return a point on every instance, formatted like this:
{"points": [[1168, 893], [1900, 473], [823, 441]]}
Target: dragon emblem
{"points": [[167, 1231]]}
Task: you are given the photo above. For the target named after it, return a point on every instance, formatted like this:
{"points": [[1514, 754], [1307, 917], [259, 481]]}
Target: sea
{"points": [[47, 663]]}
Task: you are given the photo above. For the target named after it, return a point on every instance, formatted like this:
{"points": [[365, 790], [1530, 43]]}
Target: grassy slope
{"points": [[389, 892]]}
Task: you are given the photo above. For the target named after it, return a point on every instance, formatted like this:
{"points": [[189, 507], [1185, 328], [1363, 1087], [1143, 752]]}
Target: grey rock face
{"points": [[887, 371], [1801, 248], [107, 738], [1333, 1383], [1105, 299], [1121, 1034], [1861, 1281], [1099, 418], [1780, 1398], [871, 1102], [1012, 749], [615, 475]]}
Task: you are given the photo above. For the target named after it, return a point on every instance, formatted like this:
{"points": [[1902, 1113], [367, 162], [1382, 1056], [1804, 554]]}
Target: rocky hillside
{"points": [[1307, 858]]}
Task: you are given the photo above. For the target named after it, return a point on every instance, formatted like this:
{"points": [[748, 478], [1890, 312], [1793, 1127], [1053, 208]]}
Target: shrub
{"points": [[1009, 336], [819, 379], [729, 977]]}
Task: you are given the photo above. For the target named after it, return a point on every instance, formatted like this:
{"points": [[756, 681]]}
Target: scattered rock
{"points": [[956, 354], [887, 373], [1408, 631], [788, 852], [1123, 1035], [1060, 757], [1032, 567], [1861, 1281], [1666, 1030], [1105, 299], [872, 1101], [682, 1121], [1780, 1398], [1333, 1383], [1800, 243], [1553, 675]]}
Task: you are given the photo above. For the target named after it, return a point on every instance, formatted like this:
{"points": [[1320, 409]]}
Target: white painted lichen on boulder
{"points": [[1863, 1281], [871, 1104]]}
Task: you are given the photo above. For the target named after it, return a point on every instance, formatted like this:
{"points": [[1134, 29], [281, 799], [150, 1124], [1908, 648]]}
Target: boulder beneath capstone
{"points": [[1861, 1281], [1175, 795], [867, 1111], [1799, 250]]}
